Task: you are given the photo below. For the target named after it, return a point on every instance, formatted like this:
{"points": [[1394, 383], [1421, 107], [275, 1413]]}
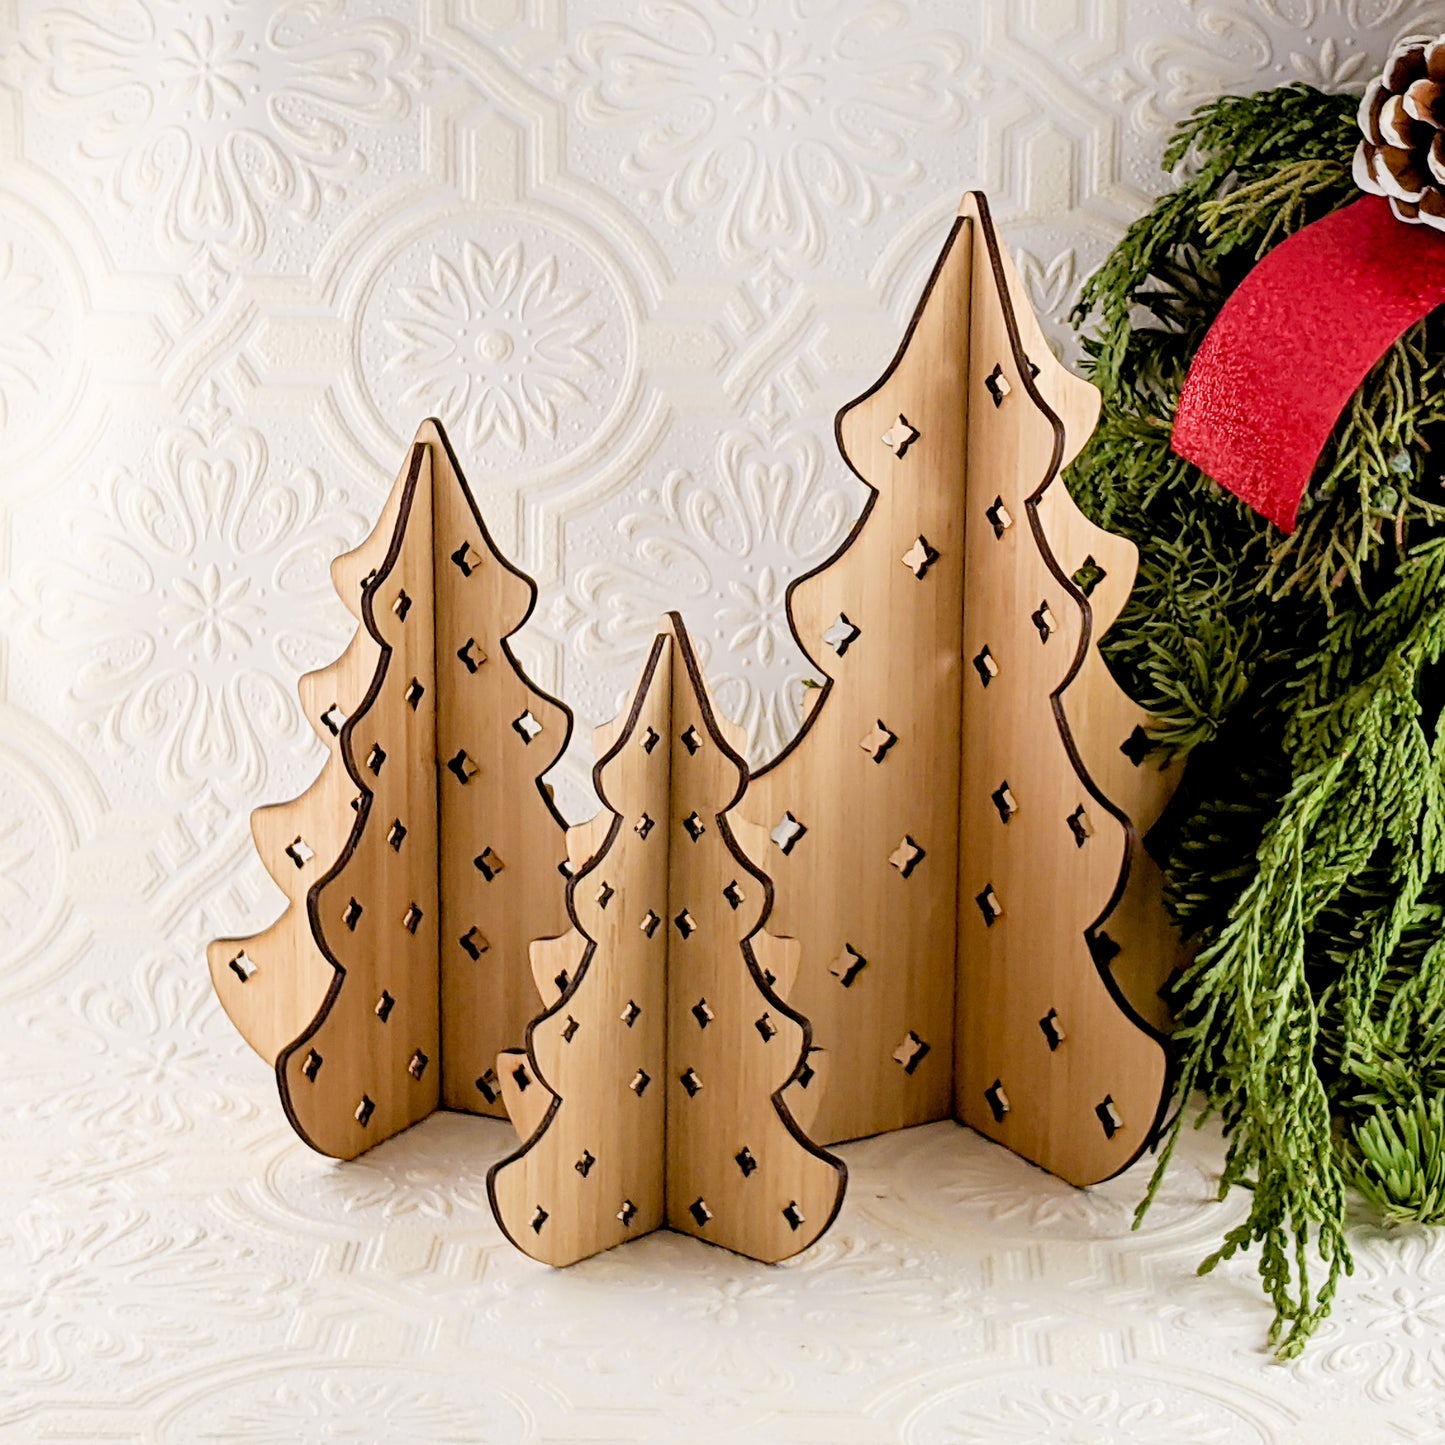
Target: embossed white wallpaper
{"points": [[635, 256]]}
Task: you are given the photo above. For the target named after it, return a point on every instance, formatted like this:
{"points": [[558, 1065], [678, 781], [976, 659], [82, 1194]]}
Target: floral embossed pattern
{"points": [[513, 343]]}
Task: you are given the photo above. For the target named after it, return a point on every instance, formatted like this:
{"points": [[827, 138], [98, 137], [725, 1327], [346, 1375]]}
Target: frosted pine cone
{"points": [[1403, 117]]}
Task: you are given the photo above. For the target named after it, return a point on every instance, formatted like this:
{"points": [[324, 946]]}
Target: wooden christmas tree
{"points": [[956, 830], [427, 854], [650, 1092]]}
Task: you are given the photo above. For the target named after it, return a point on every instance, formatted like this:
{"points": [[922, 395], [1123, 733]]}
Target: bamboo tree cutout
{"points": [[503, 841], [649, 1094], [1051, 1058], [433, 731], [863, 809], [367, 1066], [272, 983]]}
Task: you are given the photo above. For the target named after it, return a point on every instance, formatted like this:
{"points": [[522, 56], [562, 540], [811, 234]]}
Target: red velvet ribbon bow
{"points": [[1294, 342]]}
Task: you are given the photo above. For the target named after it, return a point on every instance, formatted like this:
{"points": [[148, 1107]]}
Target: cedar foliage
{"points": [[1301, 674]]}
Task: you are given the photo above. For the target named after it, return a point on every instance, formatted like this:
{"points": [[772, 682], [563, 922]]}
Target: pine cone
{"points": [[1403, 117]]}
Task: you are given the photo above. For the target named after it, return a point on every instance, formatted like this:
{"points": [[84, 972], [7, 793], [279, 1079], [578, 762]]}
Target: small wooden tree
{"points": [[959, 818], [399, 968], [650, 1092]]}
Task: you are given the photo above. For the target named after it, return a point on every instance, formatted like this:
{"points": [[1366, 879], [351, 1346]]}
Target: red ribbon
{"points": [[1294, 342]]}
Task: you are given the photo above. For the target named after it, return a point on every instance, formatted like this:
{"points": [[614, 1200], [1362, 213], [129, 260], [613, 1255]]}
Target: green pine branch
{"points": [[1301, 677]]}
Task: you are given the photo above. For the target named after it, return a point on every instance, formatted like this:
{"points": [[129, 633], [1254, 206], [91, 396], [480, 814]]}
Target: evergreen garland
{"points": [[1305, 856]]}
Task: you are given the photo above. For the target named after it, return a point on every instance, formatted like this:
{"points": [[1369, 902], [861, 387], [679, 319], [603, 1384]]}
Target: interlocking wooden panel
{"points": [[955, 832], [416, 883], [650, 1091]]}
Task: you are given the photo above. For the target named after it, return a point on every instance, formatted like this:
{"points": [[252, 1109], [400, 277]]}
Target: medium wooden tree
{"points": [[956, 829], [399, 968], [649, 1094]]}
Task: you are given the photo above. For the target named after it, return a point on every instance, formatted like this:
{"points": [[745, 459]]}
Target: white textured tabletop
{"points": [[175, 1267]]}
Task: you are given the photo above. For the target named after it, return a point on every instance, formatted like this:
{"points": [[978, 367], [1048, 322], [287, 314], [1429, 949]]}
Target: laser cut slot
{"points": [[375, 758], [417, 1066], [997, 1100], [333, 720], [311, 1065], [842, 634], [699, 1211], [989, 906], [998, 517], [766, 1028], [466, 559], [643, 827], [569, 1030], [650, 922], [364, 1110], [471, 655], [487, 1086], [649, 740], [488, 864], [627, 1213], [605, 894], [414, 693], [986, 665], [401, 606], [463, 768], [1053, 1030], [383, 1006], [911, 1052], [734, 895], [243, 966], [1080, 826], [539, 1219], [299, 851], [906, 856], [788, 833], [997, 385], [745, 1161], [631, 1013], [521, 1078], [1044, 621], [806, 1072], [693, 826], [848, 965], [396, 835], [1108, 1116], [351, 915], [690, 1082], [1137, 746], [685, 924], [691, 740], [527, 727], [878, 741], [900, 436], [473, 944], [1088, 577], [640, 1080], [1003, 799], [795, 1217], [920, 557], [411, 919], [584, 1165]]}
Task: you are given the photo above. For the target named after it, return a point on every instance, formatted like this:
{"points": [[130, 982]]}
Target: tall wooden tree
{"points": [[956, 829], [650, 1092], [399, 968]]}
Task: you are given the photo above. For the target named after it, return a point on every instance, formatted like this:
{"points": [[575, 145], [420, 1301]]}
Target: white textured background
{"points": [[635, 256]]}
